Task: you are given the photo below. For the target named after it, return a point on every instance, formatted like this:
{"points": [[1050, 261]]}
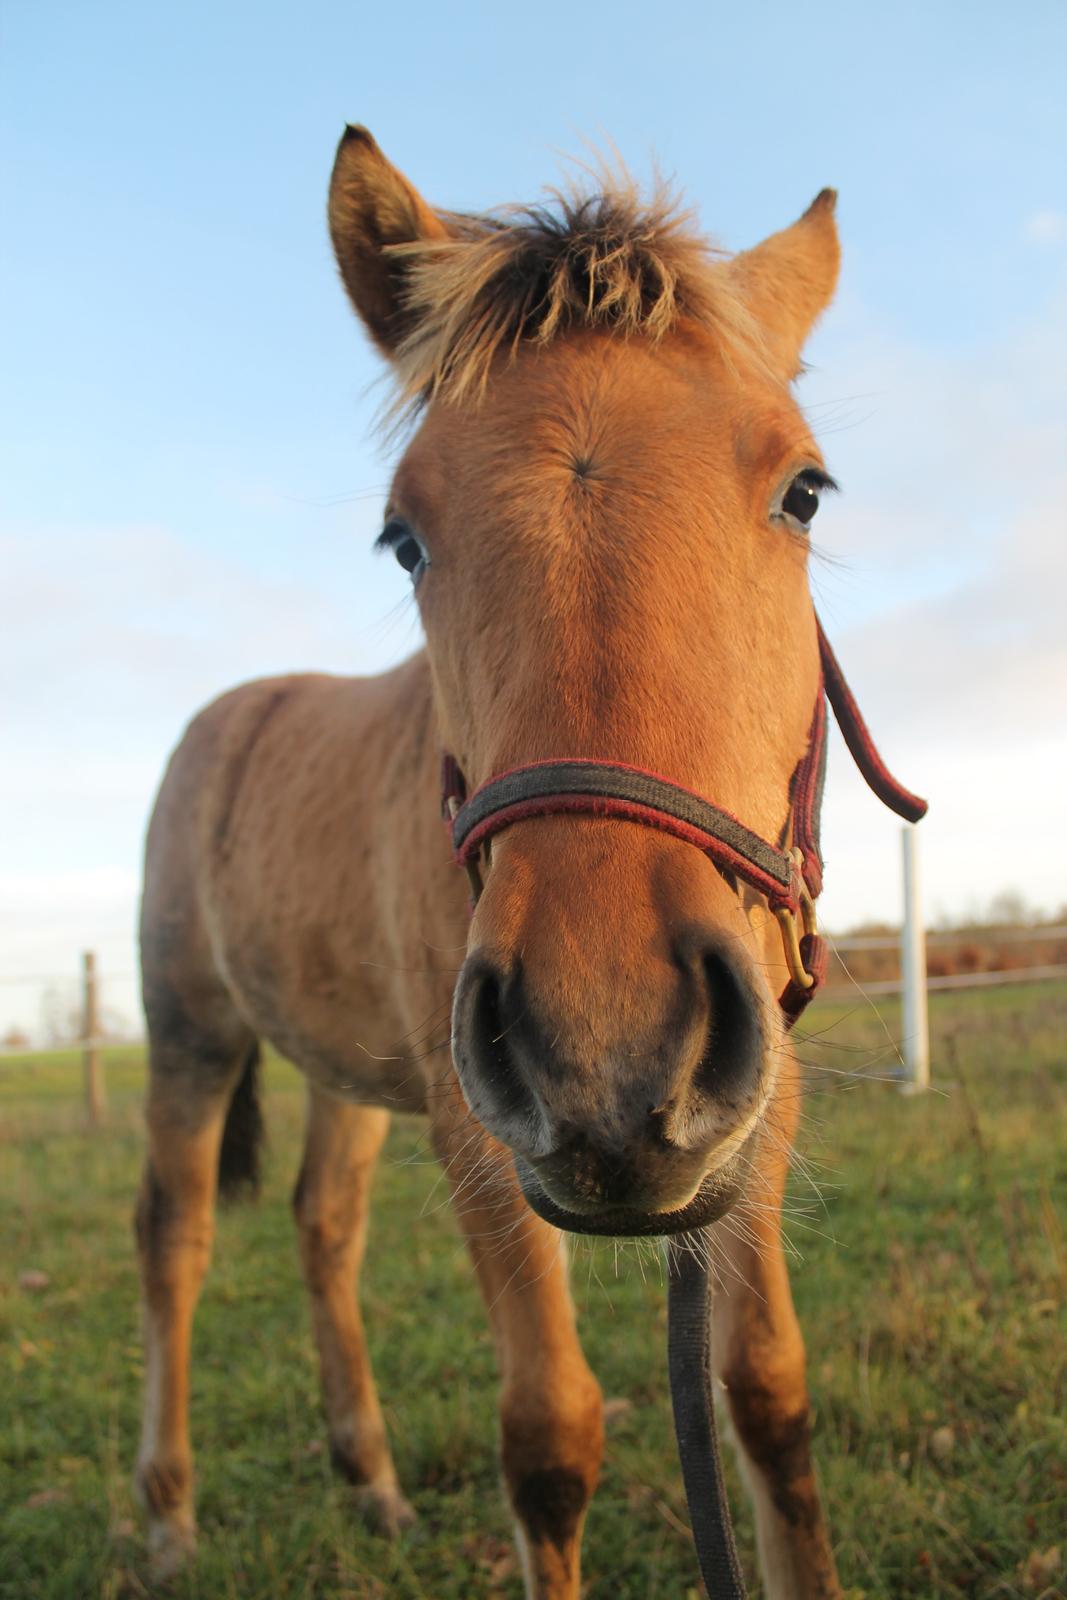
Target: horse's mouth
{"points": [[716, 1194]]}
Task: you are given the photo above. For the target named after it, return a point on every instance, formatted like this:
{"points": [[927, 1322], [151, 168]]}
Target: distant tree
{"points": [[61, 1020], [1009, 909], [15, 1039], [114, 1027]]}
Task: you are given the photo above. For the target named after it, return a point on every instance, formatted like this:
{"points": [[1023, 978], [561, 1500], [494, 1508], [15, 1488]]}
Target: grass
{"points": [[930, 1283]]}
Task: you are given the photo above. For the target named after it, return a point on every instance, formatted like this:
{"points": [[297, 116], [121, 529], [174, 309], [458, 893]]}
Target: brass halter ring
{"points": [[787, 922]]}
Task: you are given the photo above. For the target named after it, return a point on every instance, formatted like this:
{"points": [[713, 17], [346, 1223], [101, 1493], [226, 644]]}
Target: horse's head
{"points": [[605, 513]]}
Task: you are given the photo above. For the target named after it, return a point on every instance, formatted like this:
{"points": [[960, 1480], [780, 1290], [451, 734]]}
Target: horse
{"points": [[603, 502]]}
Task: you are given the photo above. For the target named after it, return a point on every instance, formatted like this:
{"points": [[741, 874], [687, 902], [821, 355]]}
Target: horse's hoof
{"points": [[384, 1509], [171, 1548]]}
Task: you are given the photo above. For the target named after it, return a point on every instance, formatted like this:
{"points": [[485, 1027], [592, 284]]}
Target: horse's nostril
{"points": [[490, 1031], [730, 1066], [488, 1067]]}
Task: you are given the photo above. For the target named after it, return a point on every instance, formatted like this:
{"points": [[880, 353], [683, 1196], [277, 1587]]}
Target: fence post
{"points": [[94, 1083], [916, 1039]]}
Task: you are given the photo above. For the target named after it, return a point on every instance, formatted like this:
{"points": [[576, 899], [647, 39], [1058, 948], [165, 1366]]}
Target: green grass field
{"points": [[930, 1276]]}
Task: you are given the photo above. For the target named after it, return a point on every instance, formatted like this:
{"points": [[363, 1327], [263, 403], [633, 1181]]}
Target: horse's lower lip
{"points": [[712, 1200]]}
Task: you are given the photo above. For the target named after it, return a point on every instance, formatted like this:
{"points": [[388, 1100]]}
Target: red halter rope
{"points": [[789, 879]]}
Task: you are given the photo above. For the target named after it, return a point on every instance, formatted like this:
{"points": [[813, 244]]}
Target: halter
{"points": [[788, 875]]}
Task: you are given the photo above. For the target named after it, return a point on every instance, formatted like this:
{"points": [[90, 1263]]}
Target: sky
{"points": [[190, 477]]}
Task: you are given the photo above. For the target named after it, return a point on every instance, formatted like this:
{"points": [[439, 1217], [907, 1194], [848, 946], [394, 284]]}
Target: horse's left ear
{"points": [[788, 280]]}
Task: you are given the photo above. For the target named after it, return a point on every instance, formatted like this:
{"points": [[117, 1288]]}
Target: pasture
{"points": [[930, 1270]]}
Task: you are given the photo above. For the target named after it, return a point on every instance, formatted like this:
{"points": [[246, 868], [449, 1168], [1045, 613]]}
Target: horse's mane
{"points": [[606, 259]]}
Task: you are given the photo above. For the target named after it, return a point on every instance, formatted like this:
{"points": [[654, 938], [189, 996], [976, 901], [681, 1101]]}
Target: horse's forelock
{"points": [[606, 259]]}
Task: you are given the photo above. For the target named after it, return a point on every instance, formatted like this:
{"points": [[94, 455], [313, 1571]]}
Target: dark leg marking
{"points": [[550, 1503], [780, 1446], [154, 1211]]}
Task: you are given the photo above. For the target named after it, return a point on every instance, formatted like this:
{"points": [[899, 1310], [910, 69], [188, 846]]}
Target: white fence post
{"points": [[916, 1039]]}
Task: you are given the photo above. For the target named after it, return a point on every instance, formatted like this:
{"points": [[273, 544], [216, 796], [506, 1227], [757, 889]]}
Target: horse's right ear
{"points": [[371, 206]]}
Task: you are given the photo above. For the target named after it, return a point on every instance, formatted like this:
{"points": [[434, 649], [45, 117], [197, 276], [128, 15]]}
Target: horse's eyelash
{"points": [[818, 479], [389, 535]]}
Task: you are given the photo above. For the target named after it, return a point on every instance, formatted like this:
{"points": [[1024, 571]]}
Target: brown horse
{"points": [[603, 507]]}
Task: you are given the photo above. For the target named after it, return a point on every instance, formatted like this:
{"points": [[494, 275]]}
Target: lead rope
{"points": [[691, 1378]]}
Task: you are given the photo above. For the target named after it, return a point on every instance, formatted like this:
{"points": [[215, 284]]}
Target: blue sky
{"points": [[189, 478]]}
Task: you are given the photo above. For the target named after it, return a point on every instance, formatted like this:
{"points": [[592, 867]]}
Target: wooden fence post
{"points": [[95, 1099]]}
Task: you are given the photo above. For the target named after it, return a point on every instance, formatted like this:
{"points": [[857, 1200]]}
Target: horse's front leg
{"points": [[760, 1360], [185, 1110], [551, 1413], [331, 1203]]}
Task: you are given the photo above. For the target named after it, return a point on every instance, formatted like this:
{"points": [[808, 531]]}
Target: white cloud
{"points": [[948, 614], [47, 919], [1045, 227], [984, 662], [160, 622], [111, 640]]}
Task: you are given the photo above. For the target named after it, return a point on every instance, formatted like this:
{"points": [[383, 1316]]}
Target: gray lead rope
{"points": [[689, 1365]]}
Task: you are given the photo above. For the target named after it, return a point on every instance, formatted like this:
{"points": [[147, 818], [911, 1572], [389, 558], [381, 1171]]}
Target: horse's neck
{"points": [[412, 720], [403, 778]]}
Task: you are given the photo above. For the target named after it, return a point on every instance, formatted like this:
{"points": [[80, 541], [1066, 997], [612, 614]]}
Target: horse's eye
{"points": [[801, 500], [408, 552], [406, 546]]}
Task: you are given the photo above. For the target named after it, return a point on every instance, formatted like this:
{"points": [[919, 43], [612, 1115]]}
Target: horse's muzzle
{"points": [[631, 1135], [715, 1195]]}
